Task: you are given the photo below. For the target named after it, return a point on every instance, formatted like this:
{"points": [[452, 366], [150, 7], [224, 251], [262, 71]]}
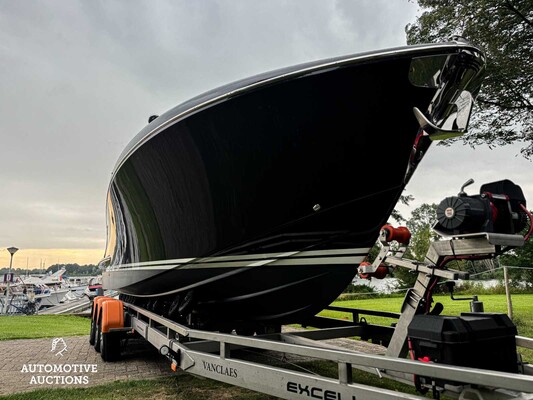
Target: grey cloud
{"points": [[78, 80]]}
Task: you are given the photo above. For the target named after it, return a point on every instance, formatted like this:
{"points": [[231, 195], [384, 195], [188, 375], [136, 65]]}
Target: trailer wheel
{"points": [[92, 335], [110, 346], [98, 338]]}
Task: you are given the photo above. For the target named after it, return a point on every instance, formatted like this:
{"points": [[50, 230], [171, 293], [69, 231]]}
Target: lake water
{"points": [[389, 285]]}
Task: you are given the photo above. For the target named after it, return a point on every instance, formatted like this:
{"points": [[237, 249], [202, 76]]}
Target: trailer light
{"points": [[174, 366]]}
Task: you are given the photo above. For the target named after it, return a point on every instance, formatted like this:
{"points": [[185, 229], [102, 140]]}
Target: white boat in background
{"points": [[77, 284], [95, 284], [28, 294], [59, 287], [22, 299], [57, 296]]}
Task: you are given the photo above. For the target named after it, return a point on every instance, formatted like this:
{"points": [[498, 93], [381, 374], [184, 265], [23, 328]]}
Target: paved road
{"points": [[20, 361], [28, 364]]}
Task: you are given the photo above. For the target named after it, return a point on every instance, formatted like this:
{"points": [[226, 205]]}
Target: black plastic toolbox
{"points": [[477, 340]]}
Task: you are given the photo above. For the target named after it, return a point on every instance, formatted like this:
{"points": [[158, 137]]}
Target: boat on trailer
{"points": [[476, 355], [253, 205]]}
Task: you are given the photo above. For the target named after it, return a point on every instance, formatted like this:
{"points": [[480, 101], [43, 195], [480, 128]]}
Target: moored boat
{"points": [[252, 205]]}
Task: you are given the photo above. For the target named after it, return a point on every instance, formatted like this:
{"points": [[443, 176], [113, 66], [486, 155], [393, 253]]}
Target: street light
{"points": [[12, 251]]}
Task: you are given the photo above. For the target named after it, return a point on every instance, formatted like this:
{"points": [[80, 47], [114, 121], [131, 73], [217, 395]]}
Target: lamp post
{"points": [[12, 251]]}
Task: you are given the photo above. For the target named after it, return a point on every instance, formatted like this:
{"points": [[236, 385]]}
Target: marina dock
{"points": [[73, 307]]}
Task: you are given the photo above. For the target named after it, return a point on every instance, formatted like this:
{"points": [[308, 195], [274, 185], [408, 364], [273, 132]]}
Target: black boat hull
{"points": [[247, 292], [268, 171]]}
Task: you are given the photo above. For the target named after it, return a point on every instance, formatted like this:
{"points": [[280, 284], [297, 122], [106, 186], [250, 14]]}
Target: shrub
{"points": [[351, 288]]}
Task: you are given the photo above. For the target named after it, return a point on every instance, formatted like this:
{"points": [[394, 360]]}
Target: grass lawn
{"points": [[522, 308], [42, 326], [181, 387], [495, 303]]}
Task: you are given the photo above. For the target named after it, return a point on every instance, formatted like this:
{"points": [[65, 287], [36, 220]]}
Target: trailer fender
{"points": [[95, 313], [97, 302], [112, 315]]}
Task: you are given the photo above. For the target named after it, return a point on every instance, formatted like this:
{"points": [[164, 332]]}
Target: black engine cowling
{"points": [[498, 208]]}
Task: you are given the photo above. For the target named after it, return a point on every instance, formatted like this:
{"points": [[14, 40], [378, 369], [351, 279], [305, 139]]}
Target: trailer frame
{"points": [[219, 356]]}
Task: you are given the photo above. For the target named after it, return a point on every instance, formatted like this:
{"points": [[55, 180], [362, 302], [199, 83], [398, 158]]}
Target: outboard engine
{"points": [[499, 208]]}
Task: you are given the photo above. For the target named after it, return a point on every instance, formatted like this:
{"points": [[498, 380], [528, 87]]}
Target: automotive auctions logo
{"points": [[59, 374], [61, 344]]}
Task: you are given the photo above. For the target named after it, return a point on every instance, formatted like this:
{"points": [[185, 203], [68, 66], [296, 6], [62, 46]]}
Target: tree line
{"points": [[71, 270]]}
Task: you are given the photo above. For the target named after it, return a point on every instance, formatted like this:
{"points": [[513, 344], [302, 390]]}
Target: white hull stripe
{"points": [[353, 260], [297, 254]]}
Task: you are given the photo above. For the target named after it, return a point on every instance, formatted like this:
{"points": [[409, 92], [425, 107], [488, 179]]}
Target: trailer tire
{"points": [[92, 335], [110, 346], [98, 338]]}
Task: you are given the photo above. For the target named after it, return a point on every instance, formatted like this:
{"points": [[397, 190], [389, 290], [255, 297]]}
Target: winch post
{"points": [[410, 307], [472, 246], [416, 298]]}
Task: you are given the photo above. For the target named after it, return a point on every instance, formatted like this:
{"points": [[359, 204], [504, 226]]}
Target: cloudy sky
{"points": [[78, 80]]}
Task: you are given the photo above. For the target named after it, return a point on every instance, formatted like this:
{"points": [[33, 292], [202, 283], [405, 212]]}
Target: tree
{"points": [[396, 215], [504, 30], [520, 257], [75, 269], [420, 225]]}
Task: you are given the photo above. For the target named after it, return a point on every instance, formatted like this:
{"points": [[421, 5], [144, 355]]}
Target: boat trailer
{"points": [[222, 356], [470, 357]]}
